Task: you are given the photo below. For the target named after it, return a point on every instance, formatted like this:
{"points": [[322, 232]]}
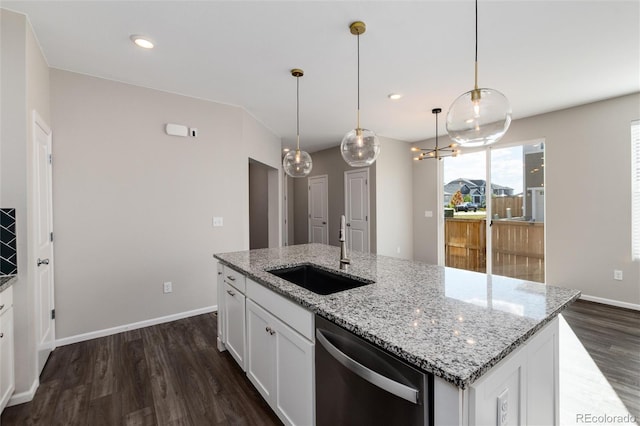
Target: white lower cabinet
{"points": [[7, 376], [280, 365], [221, 311], [271, 338], [234, 325], [523, 388]]}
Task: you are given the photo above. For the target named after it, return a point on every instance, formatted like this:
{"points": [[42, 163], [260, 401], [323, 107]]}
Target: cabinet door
{"points": [[261, 350], [7, 378], [234, 323], [220, 294], [294, 377]]}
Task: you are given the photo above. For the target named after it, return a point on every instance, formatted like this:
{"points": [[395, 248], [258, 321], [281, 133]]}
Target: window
{"points": [[635, 189]]}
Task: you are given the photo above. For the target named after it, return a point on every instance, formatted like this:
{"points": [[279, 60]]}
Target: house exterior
{"points": [[474, 188]]}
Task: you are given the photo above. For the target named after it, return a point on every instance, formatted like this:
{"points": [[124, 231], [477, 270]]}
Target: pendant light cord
{"points": [[358, 81], [298, 112], [437, 134], [476, 57]]}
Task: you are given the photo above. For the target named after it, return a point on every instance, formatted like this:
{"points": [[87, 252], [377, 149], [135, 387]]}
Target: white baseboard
{"points": [[133, 326], [26, 396], [610, 302]]}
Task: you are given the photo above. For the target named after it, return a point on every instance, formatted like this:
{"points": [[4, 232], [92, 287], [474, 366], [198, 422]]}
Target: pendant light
{"points": [[480, 116], [437, 152], [297, 163], [360, 147]]}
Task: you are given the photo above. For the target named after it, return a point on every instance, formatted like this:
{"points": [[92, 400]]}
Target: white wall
{"points": [[24, 88], [394, 193], [587, 163], [133, 207]]}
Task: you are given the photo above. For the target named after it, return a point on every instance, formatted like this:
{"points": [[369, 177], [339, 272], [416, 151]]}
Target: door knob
{"points": [[324, 223], [348, 224], [43, 261]]}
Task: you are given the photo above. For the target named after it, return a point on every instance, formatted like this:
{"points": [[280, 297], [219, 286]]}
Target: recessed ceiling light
{"points": [[142, 41], [394, 96]]}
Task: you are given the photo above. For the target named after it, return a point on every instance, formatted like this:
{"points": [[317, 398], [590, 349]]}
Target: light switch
{"points": [[428, 213], [217, 221]]}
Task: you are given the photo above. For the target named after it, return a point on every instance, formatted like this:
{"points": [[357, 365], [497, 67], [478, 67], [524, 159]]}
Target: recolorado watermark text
{"points": [[601, 419]]}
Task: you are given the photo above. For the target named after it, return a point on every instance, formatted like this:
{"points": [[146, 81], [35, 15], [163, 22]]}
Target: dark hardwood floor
{"points": [[611, 336], [172, 374], [168, 374]]}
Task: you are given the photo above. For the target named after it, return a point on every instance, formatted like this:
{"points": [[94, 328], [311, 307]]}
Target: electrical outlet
{"points": [[428, 213], [617, 274], [503, 408], [167, 287], [217, 221]]}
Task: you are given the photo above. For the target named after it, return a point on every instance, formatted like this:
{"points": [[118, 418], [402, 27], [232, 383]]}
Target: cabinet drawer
{"points": [[287, 311], [6, 300], [234, 278]]}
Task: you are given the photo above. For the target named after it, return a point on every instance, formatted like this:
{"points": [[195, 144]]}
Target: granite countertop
{"points": [[453, 323], [6, 281]]}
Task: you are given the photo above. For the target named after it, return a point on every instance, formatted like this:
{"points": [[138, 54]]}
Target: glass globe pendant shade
{"points": [[478, 117], [360, 147], [297, 163]]}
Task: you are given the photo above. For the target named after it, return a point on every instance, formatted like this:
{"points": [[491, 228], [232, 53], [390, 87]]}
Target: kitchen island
{"points": [[470, 330]]}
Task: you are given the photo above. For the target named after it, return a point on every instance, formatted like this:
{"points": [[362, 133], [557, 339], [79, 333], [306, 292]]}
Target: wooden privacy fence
{"points": [[499, 206], [518, 247]]}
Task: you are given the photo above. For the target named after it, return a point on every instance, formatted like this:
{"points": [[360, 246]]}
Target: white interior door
{"points": [[43, 235], [356, 192], [319, 209]]}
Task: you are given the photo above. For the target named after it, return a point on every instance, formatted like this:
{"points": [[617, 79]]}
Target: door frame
{"points": [[38, 121], [326, 205], [368, 203]]}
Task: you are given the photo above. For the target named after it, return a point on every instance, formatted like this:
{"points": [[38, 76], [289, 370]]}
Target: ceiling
{"points": [[543, 55]]}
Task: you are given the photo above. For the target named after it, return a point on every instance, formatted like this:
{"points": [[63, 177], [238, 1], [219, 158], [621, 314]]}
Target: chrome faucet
{"points": [[344, 260]]}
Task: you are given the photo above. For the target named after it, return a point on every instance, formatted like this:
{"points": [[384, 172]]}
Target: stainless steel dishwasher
{"points": [[358, 383]]}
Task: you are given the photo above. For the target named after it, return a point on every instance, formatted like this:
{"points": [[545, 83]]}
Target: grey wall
{"points": [[329, 162], [24, 88], [258, 205], [133, 207], [587, 160], [394, 192], [290, 203]]}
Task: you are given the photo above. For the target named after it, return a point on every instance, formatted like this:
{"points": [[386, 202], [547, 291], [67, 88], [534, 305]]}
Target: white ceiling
{"points": [[543, 55]]}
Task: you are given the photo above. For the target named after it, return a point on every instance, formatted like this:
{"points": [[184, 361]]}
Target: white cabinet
{"points": [[221, 312], [271, 338], [234, 315], [260, 350], [522, 389], [280, 365], [7, 377]]}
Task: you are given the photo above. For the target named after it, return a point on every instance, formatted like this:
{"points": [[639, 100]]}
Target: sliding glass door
{"points": [[494, 211]]}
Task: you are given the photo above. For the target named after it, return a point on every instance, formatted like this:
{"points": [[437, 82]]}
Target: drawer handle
{"points": [[270, 330], [43, 261], [231, 293], [231, 278]]}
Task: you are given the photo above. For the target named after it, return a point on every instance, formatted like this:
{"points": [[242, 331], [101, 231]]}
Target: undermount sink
{"points": [[318, 280]]}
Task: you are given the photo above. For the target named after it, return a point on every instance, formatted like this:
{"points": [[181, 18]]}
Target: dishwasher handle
{"points": [[398, 389]]}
